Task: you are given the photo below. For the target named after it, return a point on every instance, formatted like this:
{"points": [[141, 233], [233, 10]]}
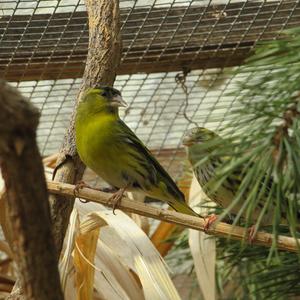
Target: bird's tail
{"points": [[182, 207]]}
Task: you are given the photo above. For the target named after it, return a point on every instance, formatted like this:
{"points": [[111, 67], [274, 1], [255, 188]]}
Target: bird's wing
{"points": [[154, 169], [235, 179]]}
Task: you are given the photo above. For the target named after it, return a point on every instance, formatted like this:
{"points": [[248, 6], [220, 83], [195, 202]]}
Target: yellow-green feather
{"points": [[206, 172], [107, 146]]}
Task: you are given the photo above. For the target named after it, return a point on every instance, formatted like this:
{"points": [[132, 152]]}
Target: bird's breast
{"points": [[98, 148]]}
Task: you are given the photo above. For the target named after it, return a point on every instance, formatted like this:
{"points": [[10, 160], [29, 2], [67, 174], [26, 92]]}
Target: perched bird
{"points": [[225, 193], [111, 149]]}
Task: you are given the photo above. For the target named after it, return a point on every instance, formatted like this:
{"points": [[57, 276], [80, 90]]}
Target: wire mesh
{"points": [[43, 47], [156, 107], [49, 39]]}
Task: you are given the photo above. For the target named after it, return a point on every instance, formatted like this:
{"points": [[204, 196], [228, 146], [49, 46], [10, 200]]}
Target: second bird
{"points": [[195, 139], [111, 149]]}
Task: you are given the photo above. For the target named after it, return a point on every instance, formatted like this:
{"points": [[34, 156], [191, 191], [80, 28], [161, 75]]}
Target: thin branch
{"points": [[50, 161], [220, 229]]}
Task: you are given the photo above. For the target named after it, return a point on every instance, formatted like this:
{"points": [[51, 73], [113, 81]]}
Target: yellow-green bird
{"points": [[206, 172], [111, 149]]}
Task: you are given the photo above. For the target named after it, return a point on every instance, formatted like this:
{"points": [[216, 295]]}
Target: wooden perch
{"points": [[27, 197], [102, 61], [221, 229]]}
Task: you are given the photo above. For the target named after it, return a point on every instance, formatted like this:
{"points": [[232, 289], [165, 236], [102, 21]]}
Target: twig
{"points": [[50, 160], [220, 229], [180, 78]]}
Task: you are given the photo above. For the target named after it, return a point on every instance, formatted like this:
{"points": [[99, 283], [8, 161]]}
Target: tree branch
{"points": [[102, 61], [27, 197], [221, 229]]}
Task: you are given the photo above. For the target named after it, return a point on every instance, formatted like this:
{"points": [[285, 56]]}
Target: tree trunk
{"points": [[27, 197], [102, 61]]}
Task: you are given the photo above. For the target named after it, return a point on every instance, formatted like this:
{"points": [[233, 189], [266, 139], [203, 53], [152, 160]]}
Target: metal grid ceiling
{"points": [[43, 46], [49, 39]]}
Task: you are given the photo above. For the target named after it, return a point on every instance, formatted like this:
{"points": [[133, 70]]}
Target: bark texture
{"points": [[219, 229], [102, 61], [27, 197]]}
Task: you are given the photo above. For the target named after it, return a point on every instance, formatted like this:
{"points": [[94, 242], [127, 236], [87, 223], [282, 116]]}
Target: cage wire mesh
{"points": [[166, 43]]}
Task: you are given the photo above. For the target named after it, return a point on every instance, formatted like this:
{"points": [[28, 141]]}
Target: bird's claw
{"points": [[252, 233], [115, 199], [209, 220], [78, 186]]}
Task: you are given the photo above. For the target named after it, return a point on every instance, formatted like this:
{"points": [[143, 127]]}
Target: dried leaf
{"points": [[133, 249], [203, 247], [84, 254]]}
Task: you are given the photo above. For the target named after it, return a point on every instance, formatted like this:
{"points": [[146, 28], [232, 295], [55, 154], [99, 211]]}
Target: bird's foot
{"points": [[78, 186], [81, 184], [252, 233], [209, 220], [116, 198]]}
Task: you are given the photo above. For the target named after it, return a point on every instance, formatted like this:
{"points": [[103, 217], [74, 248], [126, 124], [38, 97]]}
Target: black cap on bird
{"points": [[113, 95], [113, 151]]}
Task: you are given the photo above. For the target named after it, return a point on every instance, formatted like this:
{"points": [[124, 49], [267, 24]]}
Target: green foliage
{"points": [[253, 275], [262, 137], [261, 142], [243, 271], [180, 257]]}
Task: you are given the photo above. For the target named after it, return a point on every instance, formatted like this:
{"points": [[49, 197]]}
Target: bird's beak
{"points": [[117, 101]]}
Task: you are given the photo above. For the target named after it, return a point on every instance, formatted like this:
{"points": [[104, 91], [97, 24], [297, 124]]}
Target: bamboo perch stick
{"points": [[220, 229]]}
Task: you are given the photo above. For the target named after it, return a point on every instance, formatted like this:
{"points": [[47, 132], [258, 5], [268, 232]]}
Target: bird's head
{"points": [[200, 143], [198, 135], [103, 98]]}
